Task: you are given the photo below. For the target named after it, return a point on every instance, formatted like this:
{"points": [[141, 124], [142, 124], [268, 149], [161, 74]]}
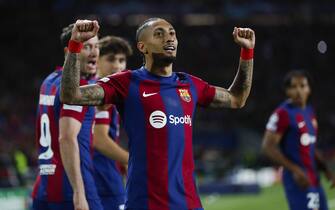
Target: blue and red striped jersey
{"points": [[299, 129], [52, 184], [108, 179], [157, 114]]}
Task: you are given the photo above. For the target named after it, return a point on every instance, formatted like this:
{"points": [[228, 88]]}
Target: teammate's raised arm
{"points": [[236, 95], [71, 92]]}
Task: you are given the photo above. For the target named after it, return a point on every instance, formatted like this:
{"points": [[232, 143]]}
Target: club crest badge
{"points": [[185, 95]]}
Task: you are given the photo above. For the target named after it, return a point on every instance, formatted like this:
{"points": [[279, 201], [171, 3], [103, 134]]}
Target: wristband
{"points": [[247, 54], [74, 46]]}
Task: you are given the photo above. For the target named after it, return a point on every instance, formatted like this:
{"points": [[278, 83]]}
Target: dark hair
{"points": [[66, 35], [296, 73], [143, 26], [114, 45]]}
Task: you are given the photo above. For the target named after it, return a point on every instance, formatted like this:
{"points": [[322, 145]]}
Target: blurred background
{"points": [[232, 172]]}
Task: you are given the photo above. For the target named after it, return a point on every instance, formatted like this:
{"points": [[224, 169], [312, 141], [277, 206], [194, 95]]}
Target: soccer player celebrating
{"points": [[157, 107], [64, 136], [293, 127], [113, 58]]}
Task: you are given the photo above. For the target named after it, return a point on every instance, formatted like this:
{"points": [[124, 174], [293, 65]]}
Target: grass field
{"points": [[271, 198]]}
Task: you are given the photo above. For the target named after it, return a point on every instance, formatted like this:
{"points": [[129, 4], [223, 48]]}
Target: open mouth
{"points": [[92, 63], [169, 48]]}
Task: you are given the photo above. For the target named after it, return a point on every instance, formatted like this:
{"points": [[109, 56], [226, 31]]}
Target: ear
{"points": [[141, 47]]}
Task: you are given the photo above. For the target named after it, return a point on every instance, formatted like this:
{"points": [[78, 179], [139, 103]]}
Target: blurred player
{"points": [[64, 136], [113, 58], [293, 127], [157, 107]]}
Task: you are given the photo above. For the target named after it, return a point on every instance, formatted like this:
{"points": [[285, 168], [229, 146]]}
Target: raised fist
{"points": [[84, 30], [245, 37]]}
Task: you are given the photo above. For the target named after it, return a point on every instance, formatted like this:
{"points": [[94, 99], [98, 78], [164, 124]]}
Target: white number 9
{"points": [[45, 139]]}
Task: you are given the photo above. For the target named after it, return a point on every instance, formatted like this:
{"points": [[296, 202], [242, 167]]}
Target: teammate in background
{"points": [[64, 136], [113, 58], [157, 107], [290, 138]]}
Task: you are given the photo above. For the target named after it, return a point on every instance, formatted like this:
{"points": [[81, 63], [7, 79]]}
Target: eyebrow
{"points": [[162, 29]]}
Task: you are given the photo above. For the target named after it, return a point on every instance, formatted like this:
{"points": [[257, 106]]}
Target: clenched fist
{"points": [[84, 30], [245, 37]]}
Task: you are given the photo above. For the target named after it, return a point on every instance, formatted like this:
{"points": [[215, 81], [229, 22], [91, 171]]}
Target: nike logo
{"points": [[148, 94]]}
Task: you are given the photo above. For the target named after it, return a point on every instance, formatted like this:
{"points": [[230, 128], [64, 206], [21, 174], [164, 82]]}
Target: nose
{"points": [[94, 52], [170, 38]]}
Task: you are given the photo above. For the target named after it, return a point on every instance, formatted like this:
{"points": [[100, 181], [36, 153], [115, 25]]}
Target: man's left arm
{"points": [[236, 95]]}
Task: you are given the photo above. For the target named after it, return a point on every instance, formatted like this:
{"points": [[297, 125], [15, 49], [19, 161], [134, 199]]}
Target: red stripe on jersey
{"points": [[305, 151], [192, 198], [55, 181], [157, 148], [36, 187]]}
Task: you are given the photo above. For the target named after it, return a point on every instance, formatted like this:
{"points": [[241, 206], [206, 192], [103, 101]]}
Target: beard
{"points": [[161, 60]]}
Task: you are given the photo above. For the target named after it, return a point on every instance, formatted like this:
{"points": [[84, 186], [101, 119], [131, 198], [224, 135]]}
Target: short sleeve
{"points": [[204, 90], [73, 111], [102, 117], [115, 87], [278, 121]]}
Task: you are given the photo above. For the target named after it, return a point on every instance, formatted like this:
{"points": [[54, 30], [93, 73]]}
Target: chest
{"points": [[303, 126], [161, 104]]}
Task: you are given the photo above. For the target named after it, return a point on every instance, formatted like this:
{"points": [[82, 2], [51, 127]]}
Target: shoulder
{"points": [[283, 109], [125, 74]]}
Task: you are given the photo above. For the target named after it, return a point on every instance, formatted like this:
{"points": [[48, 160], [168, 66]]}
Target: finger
{"points": [[244, 33], [249, 34], [96, 27], [239, 32], [235, 32]]}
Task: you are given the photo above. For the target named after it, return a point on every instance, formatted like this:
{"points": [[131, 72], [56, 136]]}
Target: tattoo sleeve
{"points": [[239, 90], [71, 92]]}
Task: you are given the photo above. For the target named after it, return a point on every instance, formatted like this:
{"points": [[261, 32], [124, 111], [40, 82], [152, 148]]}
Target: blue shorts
{"points": [[312, 198], [113, 203], [66, 205]]}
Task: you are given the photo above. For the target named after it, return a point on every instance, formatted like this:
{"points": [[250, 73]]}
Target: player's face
{"points": [[160, 40], [89, 56], [299, 90], [111, 63]]}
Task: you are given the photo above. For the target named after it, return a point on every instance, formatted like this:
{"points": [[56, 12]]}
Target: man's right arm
{"points": [[107, 146], [270, 147], [71, 92], [69, 150]]}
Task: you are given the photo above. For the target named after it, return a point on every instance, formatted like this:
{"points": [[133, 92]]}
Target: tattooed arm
{"points": [[238, 92], [71, 92], [236, 95]]}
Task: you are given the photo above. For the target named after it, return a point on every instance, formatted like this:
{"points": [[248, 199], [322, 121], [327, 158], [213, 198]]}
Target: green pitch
{"points": [[269, 198]]}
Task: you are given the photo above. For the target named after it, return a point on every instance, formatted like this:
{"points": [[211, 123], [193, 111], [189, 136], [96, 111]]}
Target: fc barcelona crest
{"points": [[185, 95]]}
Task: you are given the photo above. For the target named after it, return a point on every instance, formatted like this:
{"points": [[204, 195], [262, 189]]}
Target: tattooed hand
{"points": [[244, 37], [84, 30]]}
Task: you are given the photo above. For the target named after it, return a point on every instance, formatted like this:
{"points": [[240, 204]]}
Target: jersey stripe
{"points": [[133, 121], [192, 198], [157, 149], [305, 152], [54, 192]]}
